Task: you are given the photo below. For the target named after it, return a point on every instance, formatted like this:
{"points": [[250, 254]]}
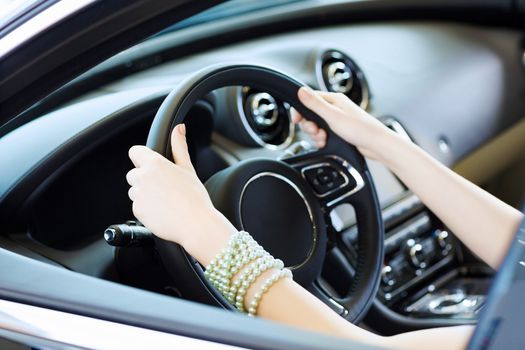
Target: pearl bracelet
{"points": [[241, 252], [250, 274], [237, 286], [241, 249], [254, 304]]}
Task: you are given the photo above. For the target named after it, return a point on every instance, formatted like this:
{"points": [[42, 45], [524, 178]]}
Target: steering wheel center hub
{"points": [[270, 200], [276, 213]]}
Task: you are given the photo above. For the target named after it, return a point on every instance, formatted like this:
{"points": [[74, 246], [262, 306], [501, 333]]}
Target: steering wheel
{"points": [[283, 204]]}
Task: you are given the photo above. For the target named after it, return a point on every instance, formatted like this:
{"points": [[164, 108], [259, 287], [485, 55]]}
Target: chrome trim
{"points": [[66, 329], [432, 268], [360, 183], [261, 110], [442, 237], [396, 126], [294, 186], [340, 309], [389, 281], [240, 108], [416, 248], [365, 93], [296, 148], [337, 72], [443, 145], [110, 234]]}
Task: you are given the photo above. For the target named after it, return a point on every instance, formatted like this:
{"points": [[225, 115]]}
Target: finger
{"points": [[137, 212], [319, 138], [334, 98], [309, 127], [179, 147], [132, 193], [319, 135], [320, 143], [132, 176], [139, 155], [296, 116], [313, 101]]}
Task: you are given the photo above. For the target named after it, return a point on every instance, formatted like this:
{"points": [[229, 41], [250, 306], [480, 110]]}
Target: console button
{"points": [[415, 254], [443, 240], [420, 253], [388, 276], [324, 178]]}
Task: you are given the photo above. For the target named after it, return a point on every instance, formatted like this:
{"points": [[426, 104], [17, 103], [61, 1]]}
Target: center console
{"points": [[428, 277], [422, 274]]}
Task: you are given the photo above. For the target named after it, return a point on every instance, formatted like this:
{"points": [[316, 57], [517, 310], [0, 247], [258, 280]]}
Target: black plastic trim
{"points": [[35, 283], [43, 172], [77, 43]]}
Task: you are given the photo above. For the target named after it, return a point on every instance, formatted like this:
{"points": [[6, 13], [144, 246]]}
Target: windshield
{"points": [[228, 9]]}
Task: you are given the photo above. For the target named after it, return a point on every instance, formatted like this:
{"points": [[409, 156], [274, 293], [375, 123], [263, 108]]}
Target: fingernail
{"points": [[182, 129]]}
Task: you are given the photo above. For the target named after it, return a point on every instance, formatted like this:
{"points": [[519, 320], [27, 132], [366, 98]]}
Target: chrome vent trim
{"points": [[337, 72], [394, 125], [278, 109]]}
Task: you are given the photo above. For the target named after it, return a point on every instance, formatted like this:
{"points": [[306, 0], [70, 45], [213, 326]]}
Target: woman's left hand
{"points": [[169, 200]]}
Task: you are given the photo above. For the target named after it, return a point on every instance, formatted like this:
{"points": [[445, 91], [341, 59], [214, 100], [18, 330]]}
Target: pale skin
{"points": [[169, 199]]}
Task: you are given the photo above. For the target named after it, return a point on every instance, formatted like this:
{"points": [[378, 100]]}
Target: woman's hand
{"points": [[170, 200], [346, 119]]}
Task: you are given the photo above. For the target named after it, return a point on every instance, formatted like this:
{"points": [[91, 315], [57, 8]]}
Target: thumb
{"points": [[179, 147]]}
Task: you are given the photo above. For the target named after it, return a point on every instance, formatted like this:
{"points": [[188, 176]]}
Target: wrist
{"points": [[212, 238]]}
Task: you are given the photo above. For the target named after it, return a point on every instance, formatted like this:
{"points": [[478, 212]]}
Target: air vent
{"points": [[266, 119], [336, 72]]}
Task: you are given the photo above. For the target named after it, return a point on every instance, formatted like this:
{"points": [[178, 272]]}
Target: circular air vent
{"points": [[266, 119], [336, 72]]}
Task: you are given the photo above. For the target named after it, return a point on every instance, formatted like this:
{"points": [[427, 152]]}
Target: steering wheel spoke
{"points": [[326, 297]]}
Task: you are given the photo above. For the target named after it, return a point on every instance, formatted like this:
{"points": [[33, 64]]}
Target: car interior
{"points": [[447, 78]]}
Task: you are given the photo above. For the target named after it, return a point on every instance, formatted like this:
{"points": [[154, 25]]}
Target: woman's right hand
{"points": [[346, 119]]}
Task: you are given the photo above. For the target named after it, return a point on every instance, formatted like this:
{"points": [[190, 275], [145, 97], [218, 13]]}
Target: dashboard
{"points": [[67, 185]]}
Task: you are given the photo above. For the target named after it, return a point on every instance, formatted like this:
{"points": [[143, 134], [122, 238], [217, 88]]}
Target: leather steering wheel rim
{"points": [[173, 110]]}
